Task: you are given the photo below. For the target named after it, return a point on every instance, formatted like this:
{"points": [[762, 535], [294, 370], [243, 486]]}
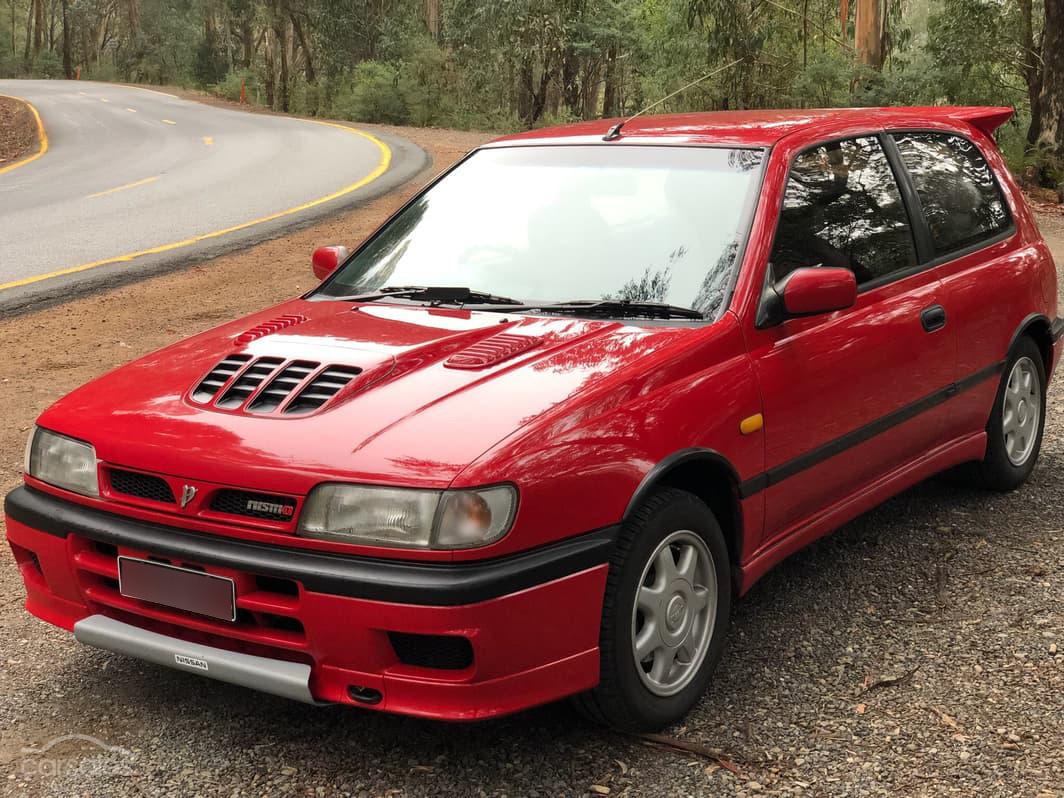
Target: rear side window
{"points": [[961, 199], [842, 208]]}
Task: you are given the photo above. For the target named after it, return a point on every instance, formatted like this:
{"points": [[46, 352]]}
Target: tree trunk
{"points": [[38, 27], [609, 87], [68, 65], [247, 41], [1031, 69], [868, 33], [1051, 98], [281, 30], [308, 61], [432, 18], [271, 75]]}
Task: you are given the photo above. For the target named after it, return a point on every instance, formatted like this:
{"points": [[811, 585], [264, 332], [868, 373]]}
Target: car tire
{"points": [[1017, 421], [687, 608]]}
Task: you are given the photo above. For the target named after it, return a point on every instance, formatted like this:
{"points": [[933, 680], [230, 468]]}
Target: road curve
{"points": [[135, 179]]}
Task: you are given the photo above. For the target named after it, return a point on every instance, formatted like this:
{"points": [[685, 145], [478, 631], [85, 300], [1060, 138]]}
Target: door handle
{"points": [[933, 318]]}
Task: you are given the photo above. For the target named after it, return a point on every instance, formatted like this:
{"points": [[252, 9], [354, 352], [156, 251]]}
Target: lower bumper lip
{"points": [[278, 677], [426, 584]]}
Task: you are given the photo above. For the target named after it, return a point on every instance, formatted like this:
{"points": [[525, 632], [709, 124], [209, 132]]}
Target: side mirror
{"points": [[809, 291], [326, 259]]}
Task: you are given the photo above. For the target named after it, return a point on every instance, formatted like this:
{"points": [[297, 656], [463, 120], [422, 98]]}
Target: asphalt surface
{"points": [[131, 171]]}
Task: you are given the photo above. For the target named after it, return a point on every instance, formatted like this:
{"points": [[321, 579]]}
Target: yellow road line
{"points": [[132, 110], [169, 122], [41, 150], [123, 188], [104, 100], [382, 167], [208, 140], [153, 91]]}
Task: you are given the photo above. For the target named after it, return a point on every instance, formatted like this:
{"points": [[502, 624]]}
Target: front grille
{"points": [[254, 505], [142, 486], [268, 608], [322, 388], [443, 652]]}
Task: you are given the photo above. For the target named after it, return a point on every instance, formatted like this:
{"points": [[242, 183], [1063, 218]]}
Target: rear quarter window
{"points": [[961, 199]]}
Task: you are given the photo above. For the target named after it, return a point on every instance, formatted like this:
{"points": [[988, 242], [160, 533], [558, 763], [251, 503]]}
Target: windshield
{"points": [[557, 224]]}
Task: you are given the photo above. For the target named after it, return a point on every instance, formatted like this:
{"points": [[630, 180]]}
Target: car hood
{"points": [[434, 389]]}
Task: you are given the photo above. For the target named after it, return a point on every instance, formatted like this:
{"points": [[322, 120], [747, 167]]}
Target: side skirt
{"points": [[962, 450]]}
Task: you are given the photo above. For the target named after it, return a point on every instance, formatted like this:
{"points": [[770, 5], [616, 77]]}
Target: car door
{"points": [[844, 393], [991, 279]]}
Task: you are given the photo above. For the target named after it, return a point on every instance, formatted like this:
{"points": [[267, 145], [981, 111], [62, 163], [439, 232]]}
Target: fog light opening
{"points": [[364, 695]]}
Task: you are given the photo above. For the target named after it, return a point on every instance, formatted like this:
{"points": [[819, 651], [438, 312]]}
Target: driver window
{"points": [[842, 208]]}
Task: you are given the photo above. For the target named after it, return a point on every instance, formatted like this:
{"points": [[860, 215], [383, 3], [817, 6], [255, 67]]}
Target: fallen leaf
{"points": [[600, 789], [860, 709]]}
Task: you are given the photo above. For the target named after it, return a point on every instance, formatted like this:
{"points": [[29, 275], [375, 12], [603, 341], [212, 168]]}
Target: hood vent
{"points": [[218, 377], [245, 385], [282, 386], [321, 389], [272, 386], [270, 327], [490, 351]]}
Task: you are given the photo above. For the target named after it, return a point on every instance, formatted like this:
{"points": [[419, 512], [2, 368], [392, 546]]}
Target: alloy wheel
{"points": [[674, 613]]}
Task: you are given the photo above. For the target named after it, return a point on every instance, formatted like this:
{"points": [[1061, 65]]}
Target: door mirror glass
{"points": [[326, 259], [809, 291]]}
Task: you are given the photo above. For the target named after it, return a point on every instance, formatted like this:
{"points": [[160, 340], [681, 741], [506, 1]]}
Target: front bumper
{"points": [[323, 627]]}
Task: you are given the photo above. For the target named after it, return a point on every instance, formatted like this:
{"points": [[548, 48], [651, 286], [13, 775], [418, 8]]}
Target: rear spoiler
{"points": [[986, 118]]}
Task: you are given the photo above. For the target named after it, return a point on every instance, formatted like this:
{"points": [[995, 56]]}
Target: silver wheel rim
{"points": [[1021, 411], [674, 614]]}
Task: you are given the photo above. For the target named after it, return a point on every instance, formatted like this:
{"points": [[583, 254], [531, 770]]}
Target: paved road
{"points": [[131, 171]]}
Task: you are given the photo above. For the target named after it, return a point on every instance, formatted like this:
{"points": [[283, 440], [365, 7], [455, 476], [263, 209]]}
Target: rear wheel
{"points": [[665, 613], [1014, 432]]}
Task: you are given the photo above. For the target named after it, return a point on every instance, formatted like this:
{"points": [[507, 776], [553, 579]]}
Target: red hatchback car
{"points": [[531, 438]]}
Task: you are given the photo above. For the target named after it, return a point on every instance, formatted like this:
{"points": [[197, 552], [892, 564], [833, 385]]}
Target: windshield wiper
{"points": [[614, 308], [452, 295]]}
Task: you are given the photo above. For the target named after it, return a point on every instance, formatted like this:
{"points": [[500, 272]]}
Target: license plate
{"points": [[180, 588]]}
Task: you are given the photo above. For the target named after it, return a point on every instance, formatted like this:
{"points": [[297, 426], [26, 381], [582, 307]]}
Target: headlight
{"points": [[62, 461], [376, 516]]}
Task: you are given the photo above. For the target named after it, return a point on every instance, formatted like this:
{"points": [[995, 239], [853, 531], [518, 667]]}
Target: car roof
{"points": [[757, 128]]}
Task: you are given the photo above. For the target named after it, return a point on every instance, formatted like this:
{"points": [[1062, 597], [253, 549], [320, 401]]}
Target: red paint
{"points": [[810, 291], [326, 259], [575, 421]]}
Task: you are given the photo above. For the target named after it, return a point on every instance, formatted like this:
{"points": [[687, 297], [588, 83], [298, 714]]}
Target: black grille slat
{"points": [[281, 386], [141, 486], [246, 384], [219, 376], [238, 502], [322, 388]]}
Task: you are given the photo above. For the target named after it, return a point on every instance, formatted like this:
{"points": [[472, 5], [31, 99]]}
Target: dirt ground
{"points": [[18, 131], [918, 651]]}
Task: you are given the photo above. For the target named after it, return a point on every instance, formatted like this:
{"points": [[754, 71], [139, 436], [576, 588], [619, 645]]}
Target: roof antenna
{"points": [[615, 131]]}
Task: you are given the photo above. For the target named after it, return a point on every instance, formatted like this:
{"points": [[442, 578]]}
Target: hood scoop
{"points": [[270, 327], [272, 386], [491, 351]]}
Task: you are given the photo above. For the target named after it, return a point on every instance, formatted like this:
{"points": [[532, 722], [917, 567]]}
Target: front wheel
{"points": [[1014, 432], [665, 614]]}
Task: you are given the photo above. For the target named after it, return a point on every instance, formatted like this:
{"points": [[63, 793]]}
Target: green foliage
{"points": [[505, 64], [371, 95]]}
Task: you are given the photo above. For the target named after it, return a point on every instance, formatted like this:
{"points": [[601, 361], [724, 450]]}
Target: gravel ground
{"points": [[918, 651], [18, 130]]}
